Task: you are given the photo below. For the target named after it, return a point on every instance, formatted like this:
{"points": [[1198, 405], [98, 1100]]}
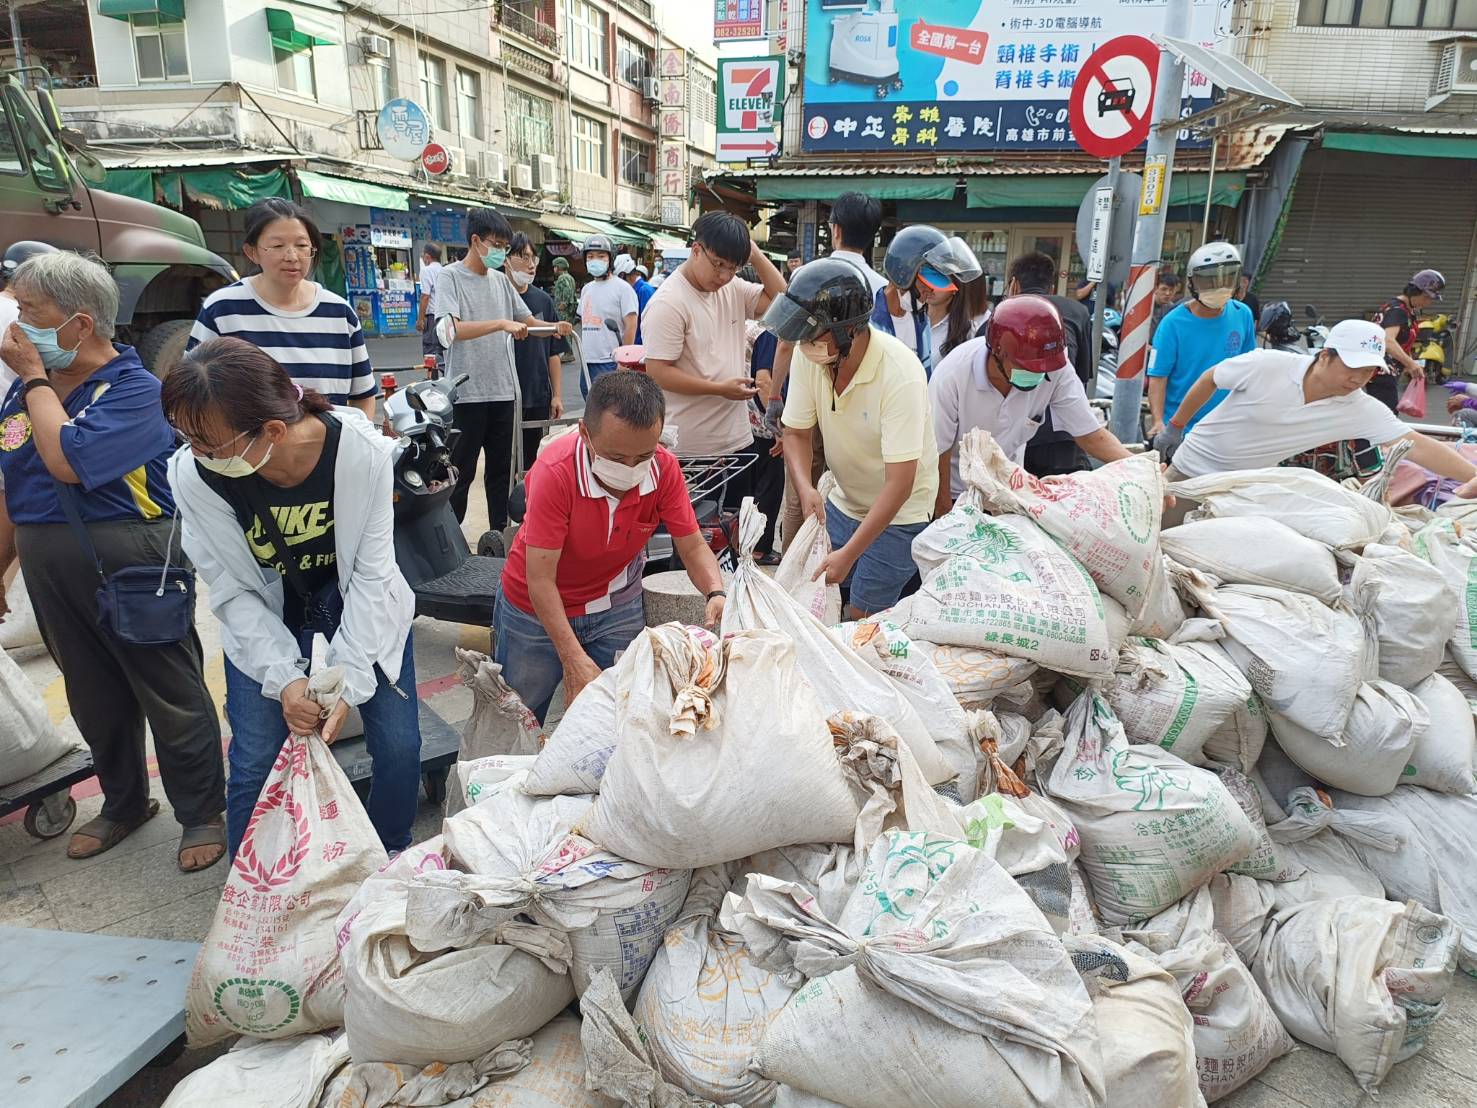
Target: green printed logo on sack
{"points": [[1148, 782], [900, 885], [257, 1007], [987, 543], [1136, 508]]}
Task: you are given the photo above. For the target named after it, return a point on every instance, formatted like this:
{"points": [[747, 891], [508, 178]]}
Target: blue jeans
{"points": [[392, 734], [882, 572], [531, 664], [596, 369]]}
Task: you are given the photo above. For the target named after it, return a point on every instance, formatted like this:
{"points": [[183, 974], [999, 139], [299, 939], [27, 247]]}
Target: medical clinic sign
{"points": [[918, 76], [751, 95]]}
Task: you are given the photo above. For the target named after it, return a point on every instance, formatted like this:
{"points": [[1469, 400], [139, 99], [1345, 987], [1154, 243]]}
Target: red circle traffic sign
{"points": [[1112, 101], [435, 158]]}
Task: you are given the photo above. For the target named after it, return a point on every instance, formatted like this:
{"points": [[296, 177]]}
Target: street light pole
{"points": [[1148, 236]]}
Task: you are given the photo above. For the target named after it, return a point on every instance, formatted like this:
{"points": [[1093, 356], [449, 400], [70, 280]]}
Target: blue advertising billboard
{"points": [[950, 76]]}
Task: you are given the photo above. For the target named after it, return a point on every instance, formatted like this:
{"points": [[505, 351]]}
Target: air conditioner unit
{"points": [[1457, 71], [494, 166], [651, 88], [374, 46], [523, 177], [456, 162], [545, 173]]}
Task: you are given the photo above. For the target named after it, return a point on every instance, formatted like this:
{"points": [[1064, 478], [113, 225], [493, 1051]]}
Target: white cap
{"points": [[1359, 343], [624, 264]]}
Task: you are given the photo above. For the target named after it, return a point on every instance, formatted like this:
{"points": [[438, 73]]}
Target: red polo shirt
{"points": [[602, 537]]}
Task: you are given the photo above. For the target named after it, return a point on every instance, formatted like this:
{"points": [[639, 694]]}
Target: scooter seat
{"points": [[465, 595]]}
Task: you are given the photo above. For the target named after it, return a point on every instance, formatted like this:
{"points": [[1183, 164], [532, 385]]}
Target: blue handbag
{"points": [[137, 605]]}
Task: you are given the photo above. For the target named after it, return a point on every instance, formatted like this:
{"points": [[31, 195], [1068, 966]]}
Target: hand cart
{"points": [[46, 795]]}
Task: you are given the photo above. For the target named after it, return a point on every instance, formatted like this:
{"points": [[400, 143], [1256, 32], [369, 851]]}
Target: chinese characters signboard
{"points": [[735, 20], [967, 74], [750, 97]]}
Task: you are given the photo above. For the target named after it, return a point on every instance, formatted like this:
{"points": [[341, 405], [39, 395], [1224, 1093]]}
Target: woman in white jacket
{"points": [[269, 467]]}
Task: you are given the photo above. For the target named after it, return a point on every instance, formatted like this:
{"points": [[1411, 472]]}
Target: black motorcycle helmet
{"points": [[1276, 323], [919, 246], [829, 294], [17, 254]]}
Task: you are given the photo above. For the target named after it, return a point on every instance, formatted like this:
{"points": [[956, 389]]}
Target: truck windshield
{"points": [[47, 166]]}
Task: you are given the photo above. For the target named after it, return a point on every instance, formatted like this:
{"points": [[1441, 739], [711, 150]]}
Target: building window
{"points": [[1458, 15], [295, 70], [704, 98], [530, 125], [469, 102], [637, 161], [433, 90], [587, 34], [634, 62], [381, 80], [159, 47], [589, 145]]}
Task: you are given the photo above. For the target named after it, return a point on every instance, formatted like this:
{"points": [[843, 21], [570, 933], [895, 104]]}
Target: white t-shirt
{"points": [[963, 398], [1265, 420], [428, 277], [875, 279]]}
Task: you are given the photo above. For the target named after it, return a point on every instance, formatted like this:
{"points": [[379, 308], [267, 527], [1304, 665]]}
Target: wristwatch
{"points": [[34, 383], [717, 592]]}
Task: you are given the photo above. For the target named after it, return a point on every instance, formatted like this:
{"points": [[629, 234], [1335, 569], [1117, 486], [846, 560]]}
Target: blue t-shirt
{"points": [[117, 441], [644, 292], [1185, 346]]}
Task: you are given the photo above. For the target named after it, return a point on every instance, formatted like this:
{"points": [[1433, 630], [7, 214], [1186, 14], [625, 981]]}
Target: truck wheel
{"points": [[164, 344]]}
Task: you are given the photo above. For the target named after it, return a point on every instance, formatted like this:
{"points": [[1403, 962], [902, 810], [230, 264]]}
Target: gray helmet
{"points": [[599, 242], [927, 251], [18, 253], [828, 294]]}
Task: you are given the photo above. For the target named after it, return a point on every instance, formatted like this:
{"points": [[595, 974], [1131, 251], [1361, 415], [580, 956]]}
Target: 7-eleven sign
{"points": [[750, 97]]}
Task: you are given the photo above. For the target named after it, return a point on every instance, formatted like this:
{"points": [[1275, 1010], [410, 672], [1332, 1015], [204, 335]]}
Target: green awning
{"points": [[443, 199], [621, 236], [663, 241], [883, 188], [286, 35], [345, 191], [1408, 146], [137, 183], [568, 227], [1045, 190], [232, 190], [122, 9]]}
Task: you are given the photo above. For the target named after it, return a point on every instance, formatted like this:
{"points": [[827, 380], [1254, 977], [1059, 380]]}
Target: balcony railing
{"points": [[640, 7], [520, 22]]}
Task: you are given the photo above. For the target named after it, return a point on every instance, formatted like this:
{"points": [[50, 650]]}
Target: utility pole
{"points": [[1148, 236]]}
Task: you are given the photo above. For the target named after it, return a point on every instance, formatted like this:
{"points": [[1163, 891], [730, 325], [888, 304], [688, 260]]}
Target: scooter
{"points": [[1316, 333], [1433, 345]]}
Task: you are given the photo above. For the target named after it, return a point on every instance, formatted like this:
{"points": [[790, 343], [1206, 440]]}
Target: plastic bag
{"points": [[1413, 399], [29, 741]]}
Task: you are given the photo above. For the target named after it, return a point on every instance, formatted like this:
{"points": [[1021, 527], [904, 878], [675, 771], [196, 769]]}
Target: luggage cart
{"points": [[46, 795]]}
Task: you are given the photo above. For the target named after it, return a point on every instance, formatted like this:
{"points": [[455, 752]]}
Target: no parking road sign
{"points": [[1113, 97]]}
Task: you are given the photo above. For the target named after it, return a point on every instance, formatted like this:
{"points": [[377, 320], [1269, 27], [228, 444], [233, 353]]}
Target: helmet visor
{"points": [[790, 321], [954, 258], [1220, 275]]}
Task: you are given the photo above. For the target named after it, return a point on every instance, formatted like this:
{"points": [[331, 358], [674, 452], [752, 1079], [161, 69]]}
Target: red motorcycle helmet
{"points": [[1027, 331]]}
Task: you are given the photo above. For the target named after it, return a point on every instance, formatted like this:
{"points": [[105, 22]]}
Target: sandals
{"points": [[108, 832], [209, 834]]}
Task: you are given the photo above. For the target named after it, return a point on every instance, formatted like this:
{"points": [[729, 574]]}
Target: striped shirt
{"points": [[321, 347]]}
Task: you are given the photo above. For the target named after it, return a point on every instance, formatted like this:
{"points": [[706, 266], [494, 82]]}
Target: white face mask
{"points": [[614, 475], [1214, 299], [521, 278], [236, 465]]}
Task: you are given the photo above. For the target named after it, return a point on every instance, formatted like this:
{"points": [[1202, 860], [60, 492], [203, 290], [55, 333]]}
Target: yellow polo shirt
{"points": [[882, 416]]}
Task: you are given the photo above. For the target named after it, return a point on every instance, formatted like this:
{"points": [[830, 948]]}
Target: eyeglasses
{"points": [[299, 250], [725, 269], [216, 451]]}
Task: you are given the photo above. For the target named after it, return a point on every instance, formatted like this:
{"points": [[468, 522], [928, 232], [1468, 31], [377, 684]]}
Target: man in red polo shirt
{"points": [[571, 591]]}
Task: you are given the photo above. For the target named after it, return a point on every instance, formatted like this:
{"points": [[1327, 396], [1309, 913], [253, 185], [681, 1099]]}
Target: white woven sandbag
{"points": [[829, 872], [806, 550], [269, 966], [573, 758], [975, 676], [1442, 758], [1230, 905], [1415, 611], [500, 722], [19, 628], [1006, 585], [1333, 844], [941, 983], [554, 1076], [1163, 610], [1107, 518], [254, 1073], [1266, 862], [1252, 550], [1364, 979], [705, 1003], [29, 741], [1305, 501], [387, 1084], [1445, 544], [518, 855], [1384, 729], [1145, 1032], [435, 1001], [726, 752], [1237, 1035], [472, 782], [1175, 696], [1153, 827], [1304, 659], [840, 679]]}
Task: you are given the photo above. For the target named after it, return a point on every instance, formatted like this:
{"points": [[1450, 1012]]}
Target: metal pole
{"points": [[1148, 236], [1115, 168], [1215, 145]]}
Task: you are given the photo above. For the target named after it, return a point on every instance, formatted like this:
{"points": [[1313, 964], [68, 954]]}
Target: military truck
{"points": [[49, 192]]}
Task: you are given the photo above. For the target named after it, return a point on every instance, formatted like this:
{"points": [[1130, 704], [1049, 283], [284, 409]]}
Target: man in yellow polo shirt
{"points": [[869, 395]]}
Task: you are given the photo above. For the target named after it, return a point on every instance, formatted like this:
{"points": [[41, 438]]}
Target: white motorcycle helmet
{"points": [[1213, 271]]}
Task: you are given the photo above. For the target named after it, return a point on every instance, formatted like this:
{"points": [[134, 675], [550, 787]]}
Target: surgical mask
{"points": [[236, 465], [1025, 380], [521, 278], [53, 356], [596, 267], [614, 475], [1214, 299], [817, 352], [495, 257]]}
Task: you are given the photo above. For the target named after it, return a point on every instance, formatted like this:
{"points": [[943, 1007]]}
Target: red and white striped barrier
{"points": [[1133, 339]]}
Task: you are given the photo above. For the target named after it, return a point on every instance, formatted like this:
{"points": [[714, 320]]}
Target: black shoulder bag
{"points": [[137, 605], [322, 609]]}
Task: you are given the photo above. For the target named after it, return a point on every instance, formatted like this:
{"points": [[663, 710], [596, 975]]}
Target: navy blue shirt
{"points": [[118, 442]]}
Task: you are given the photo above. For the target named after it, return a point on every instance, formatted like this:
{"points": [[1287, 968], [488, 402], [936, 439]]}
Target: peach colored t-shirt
{"points": [[702, 333]]}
